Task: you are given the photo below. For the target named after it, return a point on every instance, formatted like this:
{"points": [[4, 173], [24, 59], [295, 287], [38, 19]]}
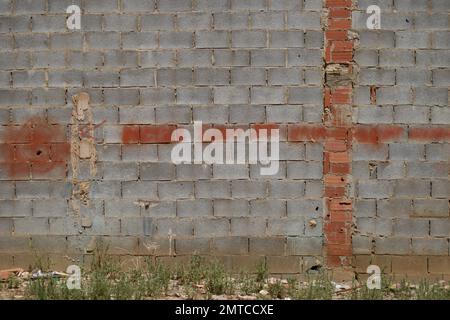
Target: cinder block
{"points": [[194, 21], [137, 226], [120, 171], [177, 228], [267, 246], [248, 227], [193, 171], [305, 96], [375, 189], [286, 189], [304, 57], [427, 169], [231, 208], [268, 208], [409, 265], [304, 170], [103, 40], [304, 207], [402, 151], [303, 20], [431, 208], [175, 39], [143, 190], [440, 188], [285, 76], [29, 6], [248, 39], [231, 95], [138, 6], [163, 58], [241, 189], [304, 246], [411, 228], [194, 58], [218, 114], [159, 21], [175, 190], [15, 208], [248, 76], [412, 188], [286, 227], [212, 39], [174, 5], [157, 171], [439, 265], [361, 244], [247, 114], [399, 208], [193, 246], [122, 208], [230, 21], [212, 189], [50, 208], [31, 226], [251, 5], [260, 95], [230, 245], [194, 208], [286, 39], [140, 40], [209, 76], [137, 78], [433, 247], [193, 96], [141, 153], [212, 227], [393, 245]]}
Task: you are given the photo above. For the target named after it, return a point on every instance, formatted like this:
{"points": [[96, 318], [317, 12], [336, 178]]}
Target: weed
{"points": [[320, 288], [276, 289], [157, 279], [249, 284], [261, 272], [217, 281]]}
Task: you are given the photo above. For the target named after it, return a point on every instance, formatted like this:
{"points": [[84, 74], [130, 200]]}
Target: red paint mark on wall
{"points": [[437, 134], [36, 150], [162, 134], [378, 134]]}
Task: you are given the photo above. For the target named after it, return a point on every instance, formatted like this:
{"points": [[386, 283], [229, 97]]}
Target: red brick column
{"points": [[338, 139]]}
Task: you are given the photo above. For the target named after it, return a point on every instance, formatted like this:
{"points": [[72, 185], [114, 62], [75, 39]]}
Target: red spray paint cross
{"points": [[35, 149]]}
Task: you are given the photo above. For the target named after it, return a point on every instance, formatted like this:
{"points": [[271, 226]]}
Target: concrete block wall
{"points": [[86, 118], [401, 168], [149, 67]]}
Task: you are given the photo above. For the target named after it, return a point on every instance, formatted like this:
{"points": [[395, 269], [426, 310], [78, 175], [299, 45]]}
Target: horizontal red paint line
{"points": [[162, 134], [367, 134]]}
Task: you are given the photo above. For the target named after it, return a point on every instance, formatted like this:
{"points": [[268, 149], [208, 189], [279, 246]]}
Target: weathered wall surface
{"points": [[401, 171], [149, 67], [86, 118]]}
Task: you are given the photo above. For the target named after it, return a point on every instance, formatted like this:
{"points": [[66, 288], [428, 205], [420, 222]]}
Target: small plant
{"points": [[320, 288], [217, 281], [261, 271], [13, 282], [249, 285], [293, 287], [157, 279], [276, 289]]}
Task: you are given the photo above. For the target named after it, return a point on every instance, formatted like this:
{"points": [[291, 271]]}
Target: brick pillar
{"points": [[338, 123]]}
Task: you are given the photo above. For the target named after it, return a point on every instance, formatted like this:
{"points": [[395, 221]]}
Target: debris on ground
{"points": [[5, 274]]}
